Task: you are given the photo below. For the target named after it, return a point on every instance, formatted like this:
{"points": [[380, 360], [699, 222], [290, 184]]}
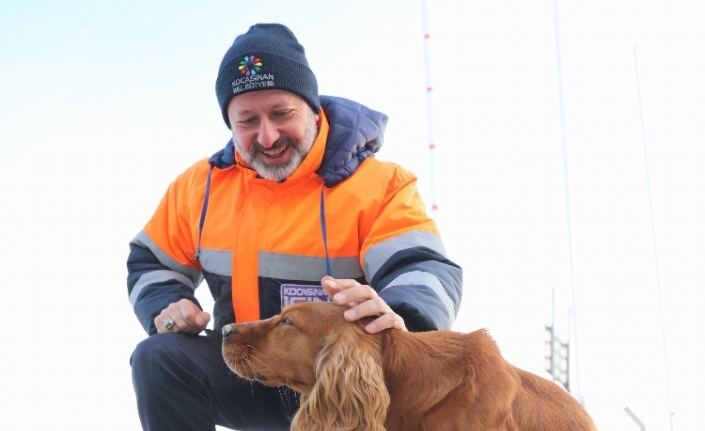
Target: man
{"points": [[294, 208]]}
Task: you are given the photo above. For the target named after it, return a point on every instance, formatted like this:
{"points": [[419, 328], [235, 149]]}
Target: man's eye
{"points": [[283, 114], [247, 121]]}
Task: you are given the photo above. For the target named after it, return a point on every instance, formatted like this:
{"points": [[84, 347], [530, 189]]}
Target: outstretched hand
{"points": [[363, 301]]}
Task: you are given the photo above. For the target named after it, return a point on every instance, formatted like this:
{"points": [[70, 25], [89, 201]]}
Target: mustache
{"points": [[256, 147]]}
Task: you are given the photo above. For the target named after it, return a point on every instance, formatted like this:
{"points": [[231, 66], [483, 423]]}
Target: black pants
{"points": [[182, 383]]}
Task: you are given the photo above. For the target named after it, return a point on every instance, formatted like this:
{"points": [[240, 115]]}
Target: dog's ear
{"points": [[349, 393]]}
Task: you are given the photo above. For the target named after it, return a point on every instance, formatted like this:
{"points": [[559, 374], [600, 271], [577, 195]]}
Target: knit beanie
{"points": [[267, 57]]}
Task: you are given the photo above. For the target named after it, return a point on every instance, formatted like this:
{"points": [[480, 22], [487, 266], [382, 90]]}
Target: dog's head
{"points": [[282, 350], [309, 347]]}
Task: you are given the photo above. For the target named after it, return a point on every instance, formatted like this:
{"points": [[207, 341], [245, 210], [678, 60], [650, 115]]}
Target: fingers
{"points": [[332, 285], [182, 316], [346, 291], [363, 301], [375, 306], [385, 321]]}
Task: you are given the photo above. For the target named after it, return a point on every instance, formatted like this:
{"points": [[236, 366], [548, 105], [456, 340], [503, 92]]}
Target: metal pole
{"points": [[429, 108], [559, 75], [553, 334], [653, 240], [631, 414]]}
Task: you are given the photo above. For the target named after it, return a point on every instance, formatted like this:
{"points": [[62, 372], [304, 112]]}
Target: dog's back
{"points": [[540, 403], [483, 390]]}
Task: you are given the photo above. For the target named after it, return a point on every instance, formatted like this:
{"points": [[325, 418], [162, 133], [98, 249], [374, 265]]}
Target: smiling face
{"points": [[273, 131]]}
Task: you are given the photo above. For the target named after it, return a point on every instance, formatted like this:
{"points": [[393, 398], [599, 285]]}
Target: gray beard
{"points": [[280, 172]]}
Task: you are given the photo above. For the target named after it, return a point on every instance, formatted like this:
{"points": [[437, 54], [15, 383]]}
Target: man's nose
{"points": [[267, 134]]}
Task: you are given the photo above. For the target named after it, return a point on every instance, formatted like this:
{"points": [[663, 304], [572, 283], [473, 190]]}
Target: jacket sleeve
{"points": [[160, 265], [405, 260]]}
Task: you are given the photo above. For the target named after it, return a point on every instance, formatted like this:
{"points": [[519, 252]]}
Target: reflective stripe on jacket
{"points": [[342, 213]]}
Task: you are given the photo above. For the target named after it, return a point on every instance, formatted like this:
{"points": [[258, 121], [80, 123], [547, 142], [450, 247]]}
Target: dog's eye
{"points": [[285, 321]]}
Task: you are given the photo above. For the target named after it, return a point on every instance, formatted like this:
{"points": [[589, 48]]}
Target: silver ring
{"points": [[168, 324]]}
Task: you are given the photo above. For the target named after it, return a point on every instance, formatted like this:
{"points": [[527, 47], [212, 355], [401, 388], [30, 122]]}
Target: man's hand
{"points": [[182, 316], [363, 301]]}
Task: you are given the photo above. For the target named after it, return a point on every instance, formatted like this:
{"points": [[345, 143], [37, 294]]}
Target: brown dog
{"points": [[394, 380]]}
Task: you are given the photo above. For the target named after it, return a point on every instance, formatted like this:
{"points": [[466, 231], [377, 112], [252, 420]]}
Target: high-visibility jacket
{"points": [[343, 213]]}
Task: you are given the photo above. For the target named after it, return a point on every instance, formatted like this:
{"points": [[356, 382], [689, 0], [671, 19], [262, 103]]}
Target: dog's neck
{"points": [[429, 368]]}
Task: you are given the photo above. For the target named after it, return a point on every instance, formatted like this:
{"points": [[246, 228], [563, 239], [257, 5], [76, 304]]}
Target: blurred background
{"points": [[558, 144]]}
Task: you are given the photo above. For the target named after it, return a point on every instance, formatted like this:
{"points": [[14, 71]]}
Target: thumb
{"points": [[202, 319]]}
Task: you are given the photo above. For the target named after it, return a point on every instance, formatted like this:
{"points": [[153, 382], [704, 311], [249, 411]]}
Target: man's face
{"points": [[273, 130]]}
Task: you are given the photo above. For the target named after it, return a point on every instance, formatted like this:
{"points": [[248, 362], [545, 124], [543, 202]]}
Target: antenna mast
{"points": [[429, 109]]}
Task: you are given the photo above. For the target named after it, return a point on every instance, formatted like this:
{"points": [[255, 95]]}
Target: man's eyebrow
{"points": [[243, 112], [283, 105], [278, 105]]}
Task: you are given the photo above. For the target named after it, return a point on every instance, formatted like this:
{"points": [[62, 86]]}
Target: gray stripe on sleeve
{"points": [[378, 254], [145, 241], [158, 276], [420, 278]]}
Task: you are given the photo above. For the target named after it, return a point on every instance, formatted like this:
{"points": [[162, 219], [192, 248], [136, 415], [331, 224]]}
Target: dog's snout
{"points": [[227, 331]]}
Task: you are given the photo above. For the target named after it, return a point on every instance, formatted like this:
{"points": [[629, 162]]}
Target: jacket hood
{"points": [[356, 132]]}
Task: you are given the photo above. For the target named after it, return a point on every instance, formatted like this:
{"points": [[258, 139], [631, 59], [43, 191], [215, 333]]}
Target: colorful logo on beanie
{"points": [[250, 65], [251, 76]]}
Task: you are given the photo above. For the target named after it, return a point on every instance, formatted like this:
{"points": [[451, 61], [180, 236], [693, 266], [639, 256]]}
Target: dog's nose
{"points": [[227, 330]]}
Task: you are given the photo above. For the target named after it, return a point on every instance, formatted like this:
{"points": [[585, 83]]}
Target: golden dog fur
{"points": [[394, 380]]}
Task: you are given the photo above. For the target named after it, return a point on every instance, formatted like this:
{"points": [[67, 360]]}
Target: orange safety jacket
{"points": [[260, 244]]}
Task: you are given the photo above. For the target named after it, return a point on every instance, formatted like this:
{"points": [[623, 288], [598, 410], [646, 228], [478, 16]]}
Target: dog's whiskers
{"points": [[263, 363], [285, 400]]}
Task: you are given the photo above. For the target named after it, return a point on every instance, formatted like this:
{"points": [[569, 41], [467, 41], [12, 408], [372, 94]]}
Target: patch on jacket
{"points": [[293, 293]]}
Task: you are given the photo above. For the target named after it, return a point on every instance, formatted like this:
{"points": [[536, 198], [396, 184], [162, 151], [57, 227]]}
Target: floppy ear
{"points": [[349, 393]]}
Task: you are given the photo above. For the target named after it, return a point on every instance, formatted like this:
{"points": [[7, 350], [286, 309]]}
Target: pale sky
{"points": [[550, 177]]}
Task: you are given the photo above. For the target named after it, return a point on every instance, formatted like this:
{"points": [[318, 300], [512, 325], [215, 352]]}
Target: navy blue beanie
{"points": [[267, 57]]}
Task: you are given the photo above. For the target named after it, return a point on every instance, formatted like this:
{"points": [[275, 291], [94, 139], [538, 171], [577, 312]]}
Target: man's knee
{"points": [[147, 349], [158, 354]]}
